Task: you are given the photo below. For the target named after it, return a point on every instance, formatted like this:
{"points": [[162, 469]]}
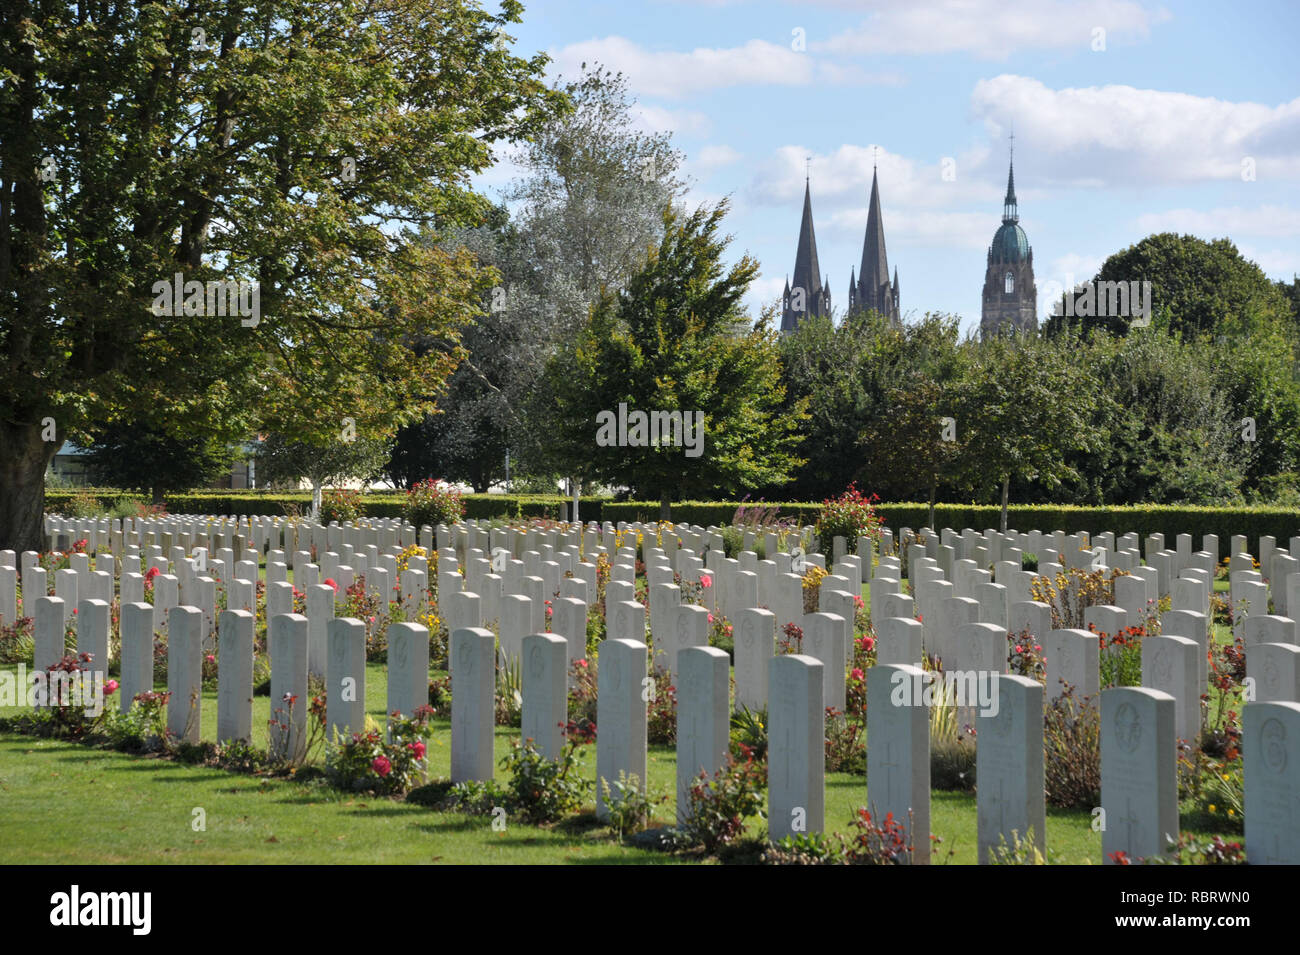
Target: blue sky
{"points": [[1130, 118]]}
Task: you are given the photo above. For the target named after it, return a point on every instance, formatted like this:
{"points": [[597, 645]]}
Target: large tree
{"points": [[1197, 286], [578, 220], [676, 339], [1022, 406], [282, 459], [295, 144]]}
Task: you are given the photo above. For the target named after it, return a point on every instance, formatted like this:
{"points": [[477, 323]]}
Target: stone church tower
{"points": [[809, 295], [1010, 296], [872, 288]]}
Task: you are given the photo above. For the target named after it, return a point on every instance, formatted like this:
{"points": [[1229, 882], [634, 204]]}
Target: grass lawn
{"points": [[137, 813]]}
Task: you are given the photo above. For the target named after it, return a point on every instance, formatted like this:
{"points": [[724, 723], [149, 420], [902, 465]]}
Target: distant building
{"points": [[872, 289], [1010, 303], [810, 293], [69, 465]]}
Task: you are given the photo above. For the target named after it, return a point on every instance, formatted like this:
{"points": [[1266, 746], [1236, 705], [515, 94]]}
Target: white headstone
{"points": [[703, 717], [1009, 768], [185, 672], [345, 677], [620, 716], [1271, 758], [898, 759], [796, 754], [1139, 772], [287, 735], [472, 704], [545, 692]]}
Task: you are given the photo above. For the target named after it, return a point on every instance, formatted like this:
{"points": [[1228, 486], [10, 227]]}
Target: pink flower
{"points": [[419, 749], [857, 602], [710, 618], [329, 582], [381, 765], [153, 572], [856, 673], [1037, 648], [111, 686], [211, 658], [74, 609], [706, 581], [1019, 649], [581, 663]]}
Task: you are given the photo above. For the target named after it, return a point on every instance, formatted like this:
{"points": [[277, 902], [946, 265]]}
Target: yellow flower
{"points": [[1211, 807], [1225, 775], [1231, 812]]}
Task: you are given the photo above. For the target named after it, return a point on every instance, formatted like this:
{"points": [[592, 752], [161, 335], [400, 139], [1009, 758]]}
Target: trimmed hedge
{"points": [[1254, 522]]}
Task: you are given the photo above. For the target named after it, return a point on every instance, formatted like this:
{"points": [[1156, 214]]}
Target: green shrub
{"points": [[432, 502], [341, 504], [1072, 752], [544, 790], [719, 804], [851, 515]]}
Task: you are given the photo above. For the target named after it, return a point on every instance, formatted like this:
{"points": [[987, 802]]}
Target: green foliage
{"points": [[432, 502], [749, 733], [341, 504], [544, 790], [1018, 852], [366, 762], [1072, 752], [719, 804], [1197, 286], [629, 806], [140, 455], [850, 515], [261, 192], [676, 338]]}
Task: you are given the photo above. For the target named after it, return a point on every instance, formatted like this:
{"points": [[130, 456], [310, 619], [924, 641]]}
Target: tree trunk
{"points": [[24, 456], [664, 510], [576, 485], [1006, 490], [315, 499], [933, 490]]}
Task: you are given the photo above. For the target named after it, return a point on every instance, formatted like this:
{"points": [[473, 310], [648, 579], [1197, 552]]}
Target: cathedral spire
{"points": [[1009, 212], [874, 271], [806, 296]]}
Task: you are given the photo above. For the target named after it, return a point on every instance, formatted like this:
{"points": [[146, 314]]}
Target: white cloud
{"points": [[673, 73], [679, 122], [1120, 135], [846, 172], [1071, 267], [1278, 264], [991, 29], [1271, 221], [714, 157]]}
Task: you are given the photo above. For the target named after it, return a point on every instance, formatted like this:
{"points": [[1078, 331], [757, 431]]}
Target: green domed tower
{"points": [[1010, 296]]}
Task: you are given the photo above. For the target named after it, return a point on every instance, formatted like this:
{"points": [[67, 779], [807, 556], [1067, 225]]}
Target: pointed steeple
{"points": [[807, 270], [807, 273], [875, 264], [1009, 213]]}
